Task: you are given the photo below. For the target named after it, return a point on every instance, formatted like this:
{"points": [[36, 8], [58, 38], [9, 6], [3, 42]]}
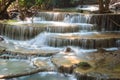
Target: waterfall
{"points": [[85, 40], [118, 43], [50, 32], [51, 16], [27, 30], [19, 32], [38, 41], [106, 22], [65, 17], [66, 29]]}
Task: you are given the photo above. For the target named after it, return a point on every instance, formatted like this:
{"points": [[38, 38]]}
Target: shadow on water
{"points": [[45, 76]]}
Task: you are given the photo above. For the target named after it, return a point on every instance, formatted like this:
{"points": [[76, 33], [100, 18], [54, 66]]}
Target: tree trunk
{"points": [[104, 6], [101, 6], [107, 2]]}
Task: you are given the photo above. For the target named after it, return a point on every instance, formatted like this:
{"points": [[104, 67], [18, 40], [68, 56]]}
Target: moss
{"points": [[84, 65], [117, 68], [8, 21]]}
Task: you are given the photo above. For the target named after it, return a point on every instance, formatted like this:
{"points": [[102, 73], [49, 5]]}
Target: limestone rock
{"points": [[43, 63], [65, 62]]}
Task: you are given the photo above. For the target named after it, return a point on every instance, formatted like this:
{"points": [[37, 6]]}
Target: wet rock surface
{"points": [[105, 65], [12, 49], [14, 68]]}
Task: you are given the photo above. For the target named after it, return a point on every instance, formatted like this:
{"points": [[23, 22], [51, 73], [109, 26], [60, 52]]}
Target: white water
{"points": [[38, 41]]}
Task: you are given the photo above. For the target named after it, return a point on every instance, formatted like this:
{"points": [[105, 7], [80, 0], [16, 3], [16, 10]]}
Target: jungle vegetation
{"points": [[29, 7]]}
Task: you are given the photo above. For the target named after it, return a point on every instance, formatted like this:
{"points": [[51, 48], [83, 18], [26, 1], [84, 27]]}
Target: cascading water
{"points": [[59, 24], [51, 16], [69, 23], [50, 32], [87, 40], [39, 40], [35, 45]]}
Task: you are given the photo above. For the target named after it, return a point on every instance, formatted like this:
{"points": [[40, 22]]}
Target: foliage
{"points": [[26, 3], [9, 21], [24, 6], [104, 6], [39, 2]]}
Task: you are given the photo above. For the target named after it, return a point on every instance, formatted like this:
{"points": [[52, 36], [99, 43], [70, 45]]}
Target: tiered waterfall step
{"points": [[63, 16], [104, 22], [90, 40], [25, 30]]}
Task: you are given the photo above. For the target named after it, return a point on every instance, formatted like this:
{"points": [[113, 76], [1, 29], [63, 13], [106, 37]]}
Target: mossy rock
{"points": [[9, 21], [84, 65]]}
